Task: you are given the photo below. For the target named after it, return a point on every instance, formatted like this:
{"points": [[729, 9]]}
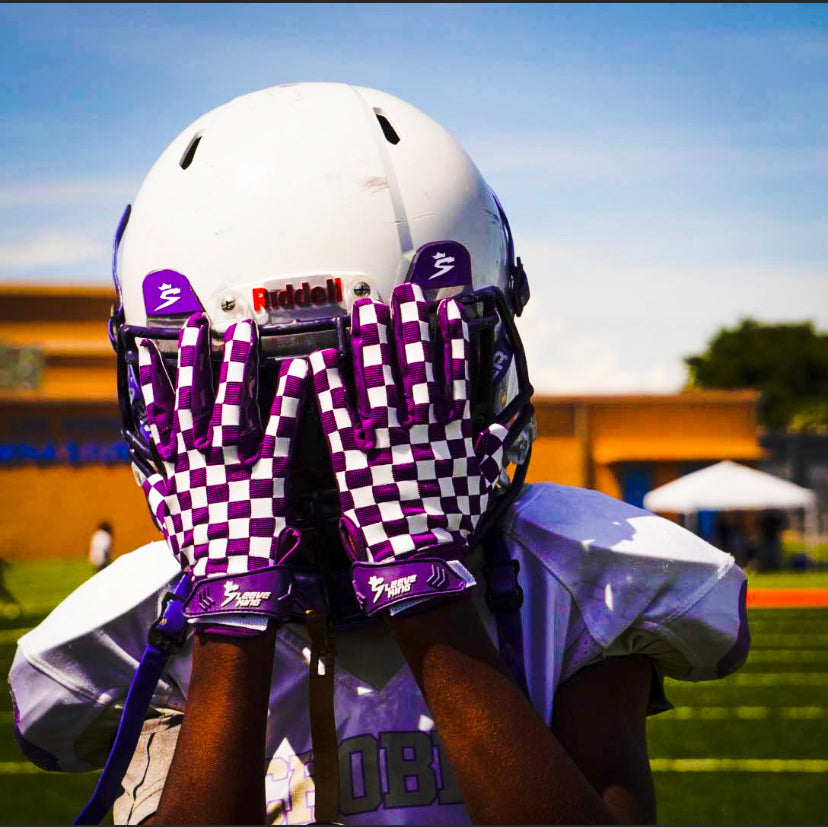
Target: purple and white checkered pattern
{"points": [[223, 503], [413, 482]]}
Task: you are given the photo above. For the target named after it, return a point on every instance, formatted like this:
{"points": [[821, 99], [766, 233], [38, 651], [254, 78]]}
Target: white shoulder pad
{"points": [[79, 662], [637, 578]]}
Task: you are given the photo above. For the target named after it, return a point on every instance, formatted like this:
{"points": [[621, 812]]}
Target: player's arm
{"points": [[600, 719], [216, 775], [221, 504], [510, 766]]}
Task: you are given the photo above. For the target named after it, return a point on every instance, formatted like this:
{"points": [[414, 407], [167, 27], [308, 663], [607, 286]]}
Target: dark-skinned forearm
{"points": [[217, 772], [508, 764]]}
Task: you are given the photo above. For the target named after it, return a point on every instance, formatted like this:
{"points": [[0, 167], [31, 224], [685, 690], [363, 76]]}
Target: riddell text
{"points": [[304, 296]]}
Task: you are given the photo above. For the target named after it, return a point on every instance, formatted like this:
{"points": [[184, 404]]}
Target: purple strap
{"points": [[165, 635], [504, 597]]}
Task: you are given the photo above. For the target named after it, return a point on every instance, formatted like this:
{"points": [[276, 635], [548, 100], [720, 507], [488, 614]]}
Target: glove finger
{"points": [[159, 398], [414, 352], [339, 419], [235, 422], [269, 477], [374, 387], [489, 451], [194, 388], [453, 353], [287, 403]]}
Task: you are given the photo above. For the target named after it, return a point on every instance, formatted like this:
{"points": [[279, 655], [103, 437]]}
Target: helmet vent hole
{"points": [[387, 130], [187, 157]]}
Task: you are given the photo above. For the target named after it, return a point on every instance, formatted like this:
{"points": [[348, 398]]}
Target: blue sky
{"points": [[664, 167]]}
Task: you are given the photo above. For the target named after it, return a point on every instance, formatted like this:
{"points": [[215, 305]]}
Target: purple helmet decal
{"points": [[441, 264], [168, 293]]}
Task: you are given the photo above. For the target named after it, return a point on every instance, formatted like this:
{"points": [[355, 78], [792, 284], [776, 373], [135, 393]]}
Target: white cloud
{"points": [[66, 193], [602, 320], [646, 154], [50, 249]]}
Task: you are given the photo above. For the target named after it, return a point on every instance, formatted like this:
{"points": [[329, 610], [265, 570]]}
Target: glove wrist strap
{"points": [[380, 586], [263, 593]]}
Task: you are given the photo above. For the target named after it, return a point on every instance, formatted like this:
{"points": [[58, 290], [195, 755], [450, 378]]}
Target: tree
{"points": [[787, 363]]}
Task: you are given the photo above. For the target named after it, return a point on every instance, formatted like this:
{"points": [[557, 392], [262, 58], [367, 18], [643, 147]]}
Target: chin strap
{"points": [[323, 719], [504, 597], [165, 636]]}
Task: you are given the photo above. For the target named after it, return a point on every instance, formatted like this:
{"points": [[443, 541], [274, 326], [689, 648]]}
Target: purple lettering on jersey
{"points": [[441, 264], [168, 293]]}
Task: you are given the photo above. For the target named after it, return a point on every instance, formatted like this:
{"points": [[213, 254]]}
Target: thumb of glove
{"points": [[489, 451]]}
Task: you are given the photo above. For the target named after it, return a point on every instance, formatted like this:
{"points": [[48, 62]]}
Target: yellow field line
{"points": [[790, 655], [738, 765], [757, 679], [19, 768], [693, 713], [788, 640], [746, 713], [25, 768], [656, 764]]}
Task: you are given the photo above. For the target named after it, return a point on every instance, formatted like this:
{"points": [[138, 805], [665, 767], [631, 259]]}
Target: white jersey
{"points": [[600, 578]]}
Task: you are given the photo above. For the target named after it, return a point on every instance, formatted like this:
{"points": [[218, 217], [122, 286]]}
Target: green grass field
{"points": [[750, 749]]}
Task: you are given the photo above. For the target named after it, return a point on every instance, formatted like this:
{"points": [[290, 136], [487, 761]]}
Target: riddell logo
{"points": [[305, 296]]}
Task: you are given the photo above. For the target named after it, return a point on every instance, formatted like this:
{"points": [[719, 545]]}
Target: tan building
{"points": [[625, 445], [62, 461], [62, 468]]}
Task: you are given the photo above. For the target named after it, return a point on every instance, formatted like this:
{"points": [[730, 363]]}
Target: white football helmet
{"points": [[285, 205]]}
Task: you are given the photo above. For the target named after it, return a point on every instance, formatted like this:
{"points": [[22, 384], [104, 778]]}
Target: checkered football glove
{"points": [[412, 479], [222, 501]]}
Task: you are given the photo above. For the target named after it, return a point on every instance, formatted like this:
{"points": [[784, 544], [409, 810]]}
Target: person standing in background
{"points": [[100, 546]]}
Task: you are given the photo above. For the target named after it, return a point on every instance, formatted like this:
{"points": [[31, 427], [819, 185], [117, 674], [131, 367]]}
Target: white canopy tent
{"points": [[728, 486]]}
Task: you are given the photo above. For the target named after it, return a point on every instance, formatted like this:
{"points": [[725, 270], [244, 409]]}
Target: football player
{"points": [[327, 405]]}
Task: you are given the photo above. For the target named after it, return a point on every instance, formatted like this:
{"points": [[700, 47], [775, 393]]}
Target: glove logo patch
{"points": [[402, 585], [244, 600]]}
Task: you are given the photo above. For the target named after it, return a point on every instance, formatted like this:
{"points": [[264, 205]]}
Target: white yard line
{"points": [[758, 679], [738, 765], [770, 765], [747, 713], [788, 656], [788, 640], [19, 768]]}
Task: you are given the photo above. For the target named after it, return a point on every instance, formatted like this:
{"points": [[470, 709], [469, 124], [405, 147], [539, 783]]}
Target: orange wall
{"points": [[55, 509], [557, 458]]}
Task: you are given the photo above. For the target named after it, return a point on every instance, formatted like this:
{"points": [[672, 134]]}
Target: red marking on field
{"points": [[786, 598]]}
